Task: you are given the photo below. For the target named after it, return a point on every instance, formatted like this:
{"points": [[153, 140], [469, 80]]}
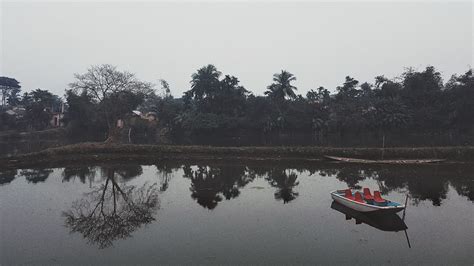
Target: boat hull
{"points": [[406, 161], [362, 207], [381, 221]]}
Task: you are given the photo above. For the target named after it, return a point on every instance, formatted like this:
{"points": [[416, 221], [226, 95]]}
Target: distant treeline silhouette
{"points": [[416, 108]]}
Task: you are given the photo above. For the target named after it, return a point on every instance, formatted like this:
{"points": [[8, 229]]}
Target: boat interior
{"points": [[367, 197]]}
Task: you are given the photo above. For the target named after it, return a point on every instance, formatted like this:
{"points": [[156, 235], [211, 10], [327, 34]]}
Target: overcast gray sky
{"points": [[43, 44]]}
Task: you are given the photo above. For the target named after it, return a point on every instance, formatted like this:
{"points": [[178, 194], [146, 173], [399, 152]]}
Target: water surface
{"points": [[233, 212]]}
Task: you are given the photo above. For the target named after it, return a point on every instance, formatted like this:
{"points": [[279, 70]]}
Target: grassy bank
{"points": [[99, 152], [43, 135]]}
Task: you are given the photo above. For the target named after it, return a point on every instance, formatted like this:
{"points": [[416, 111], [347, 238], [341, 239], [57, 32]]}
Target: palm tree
{"points": [[204, 81], [282, 88]]}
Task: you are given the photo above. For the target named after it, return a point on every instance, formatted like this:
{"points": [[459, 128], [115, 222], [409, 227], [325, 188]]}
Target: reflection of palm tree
{"points": [[420, 181], [464, 186], [125, 172], [328, 171], [112, 212], [165, 171], [7, 176], [435, 190], [351, 176], [204, 186], [285, 183], [81, 172], [165, 180], [210, 184], [36, 175]]}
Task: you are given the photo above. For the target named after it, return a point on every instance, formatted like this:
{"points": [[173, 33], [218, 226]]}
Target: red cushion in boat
{"points": [[348, 194], [378, 197], [367, 194], [358, 197]]}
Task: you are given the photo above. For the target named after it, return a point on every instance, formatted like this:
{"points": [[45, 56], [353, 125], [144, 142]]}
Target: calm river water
{"points": [[233, 213]]}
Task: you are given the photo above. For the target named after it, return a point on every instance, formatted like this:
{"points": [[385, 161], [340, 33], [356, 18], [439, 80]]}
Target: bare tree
{"points": [[104, 82]]}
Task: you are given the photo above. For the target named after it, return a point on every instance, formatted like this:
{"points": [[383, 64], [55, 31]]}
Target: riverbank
{"points": [[43, 135], [100, 153]]}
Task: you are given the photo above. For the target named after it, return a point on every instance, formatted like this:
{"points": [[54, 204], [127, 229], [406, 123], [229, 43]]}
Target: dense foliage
{"points": [[414, 108], [32, 111], [415, 104], [9, 88]]}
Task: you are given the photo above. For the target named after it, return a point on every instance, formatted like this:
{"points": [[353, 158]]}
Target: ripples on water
{"points": [[215, 212]]}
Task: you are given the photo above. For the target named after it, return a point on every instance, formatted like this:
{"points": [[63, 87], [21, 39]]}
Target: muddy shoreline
{"points": [[95, 153]]}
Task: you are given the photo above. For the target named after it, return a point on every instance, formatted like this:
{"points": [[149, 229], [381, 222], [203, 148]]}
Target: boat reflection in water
{"points": [[383, 221]]}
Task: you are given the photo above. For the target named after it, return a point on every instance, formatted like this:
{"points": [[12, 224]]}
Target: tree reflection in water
{"points": [[464, 187], [213, 182], [7, 176], [81, 172], [422, 182], [113, 211], [165, 172], [209, 184], [36, 175], [124, 172], [285, 182]]}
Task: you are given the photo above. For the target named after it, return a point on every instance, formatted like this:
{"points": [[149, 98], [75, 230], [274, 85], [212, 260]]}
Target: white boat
{"points": [[381, 221], [364, 205]]}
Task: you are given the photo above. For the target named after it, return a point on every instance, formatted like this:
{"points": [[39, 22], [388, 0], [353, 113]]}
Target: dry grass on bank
{"points": [[100, 152]]}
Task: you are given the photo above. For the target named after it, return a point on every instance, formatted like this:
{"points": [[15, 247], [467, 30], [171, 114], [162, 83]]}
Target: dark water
{"points": [[233, 213]]}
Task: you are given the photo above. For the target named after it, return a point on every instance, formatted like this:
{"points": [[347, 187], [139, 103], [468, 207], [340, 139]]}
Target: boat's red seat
{"points": [[358, 197], [367, 195], [378, 198], [348, 194]]}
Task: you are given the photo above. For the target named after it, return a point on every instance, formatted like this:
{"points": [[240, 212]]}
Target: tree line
{"points": [[217, 107]]}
